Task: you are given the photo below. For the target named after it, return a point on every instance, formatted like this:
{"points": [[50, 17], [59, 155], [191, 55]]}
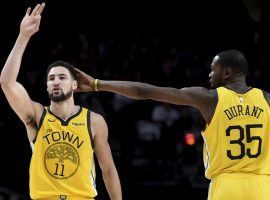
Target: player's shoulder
{"points": [[266, 96], [96, 118], [98, 124], [38, 106], [200, 91], [209, 93], [39, 111]]}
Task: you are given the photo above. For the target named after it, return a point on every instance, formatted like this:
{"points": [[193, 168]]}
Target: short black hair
{"points": [[61, 63], [235, 60]]}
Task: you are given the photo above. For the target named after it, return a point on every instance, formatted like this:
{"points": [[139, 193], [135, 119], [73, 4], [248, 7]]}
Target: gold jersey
{"points": [[238, 137], [62, 161]]}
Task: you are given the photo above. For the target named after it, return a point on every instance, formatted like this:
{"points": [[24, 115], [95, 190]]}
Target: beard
{"points": [[61, 97]]}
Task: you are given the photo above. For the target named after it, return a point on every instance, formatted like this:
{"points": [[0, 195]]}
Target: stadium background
{"points": [[167, 43]]}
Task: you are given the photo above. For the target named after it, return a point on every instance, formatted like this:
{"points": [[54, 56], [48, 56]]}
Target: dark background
{"points": [[162, 42]]}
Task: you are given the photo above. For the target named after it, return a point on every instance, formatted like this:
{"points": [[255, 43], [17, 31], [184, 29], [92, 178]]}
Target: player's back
{"points": [[237, 140]]}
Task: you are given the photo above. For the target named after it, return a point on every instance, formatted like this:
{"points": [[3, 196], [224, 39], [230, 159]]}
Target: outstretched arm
{"points": [[14, 91], [104, 157], [192, 96]]}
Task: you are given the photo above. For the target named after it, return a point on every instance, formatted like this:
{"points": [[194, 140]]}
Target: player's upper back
{"points": [[237, 138]]}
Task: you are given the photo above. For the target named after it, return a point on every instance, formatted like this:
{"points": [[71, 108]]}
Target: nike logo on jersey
{"points": [[51, 120]]}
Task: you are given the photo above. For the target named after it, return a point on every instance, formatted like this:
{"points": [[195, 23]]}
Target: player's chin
{"points": [[56, 93], [53, 95], [213, 85]]}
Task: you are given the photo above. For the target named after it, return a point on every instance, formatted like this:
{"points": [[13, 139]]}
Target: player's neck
{"points": [[238, 85], [64, 109]]}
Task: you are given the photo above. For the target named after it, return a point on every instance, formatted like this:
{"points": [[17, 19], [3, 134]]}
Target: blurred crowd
{"points": [[158, 42]]}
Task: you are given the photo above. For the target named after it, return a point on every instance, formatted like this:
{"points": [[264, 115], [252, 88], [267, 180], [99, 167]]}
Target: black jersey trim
{"points": [[266, 96], [65, 122], [40, 123], [89, 128], [250, 88]]}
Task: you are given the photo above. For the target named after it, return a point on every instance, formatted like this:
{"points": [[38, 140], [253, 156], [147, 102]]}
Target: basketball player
{"points": [[236, 137], [63, 136]]}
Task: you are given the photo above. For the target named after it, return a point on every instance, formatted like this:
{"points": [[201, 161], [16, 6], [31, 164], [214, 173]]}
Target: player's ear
{"points": [[47, 86], [227, 72], [74, 85]]}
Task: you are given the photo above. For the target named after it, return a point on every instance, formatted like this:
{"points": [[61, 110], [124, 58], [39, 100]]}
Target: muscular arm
{"points": [[193, 96], [104, 157], [15, 93], [201, 98], [198, 97]]}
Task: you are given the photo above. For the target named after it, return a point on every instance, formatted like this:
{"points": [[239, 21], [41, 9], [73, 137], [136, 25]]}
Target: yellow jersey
{"points": [[62, 162], [238, 137]]}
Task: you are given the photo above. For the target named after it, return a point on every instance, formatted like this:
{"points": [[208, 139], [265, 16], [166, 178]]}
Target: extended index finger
{"points": [[35, 10], [40, 9]]}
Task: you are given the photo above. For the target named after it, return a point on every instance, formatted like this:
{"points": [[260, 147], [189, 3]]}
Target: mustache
{"points": [[61, 97]]}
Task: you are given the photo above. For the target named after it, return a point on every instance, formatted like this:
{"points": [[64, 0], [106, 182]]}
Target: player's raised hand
{"points": [[85, 82], [31, 21]]}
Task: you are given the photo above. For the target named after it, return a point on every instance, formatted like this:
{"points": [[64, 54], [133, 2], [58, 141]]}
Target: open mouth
{"points": [[56, 91]]}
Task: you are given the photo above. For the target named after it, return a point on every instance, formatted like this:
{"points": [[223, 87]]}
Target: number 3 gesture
{"points": [[30, 22]]}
